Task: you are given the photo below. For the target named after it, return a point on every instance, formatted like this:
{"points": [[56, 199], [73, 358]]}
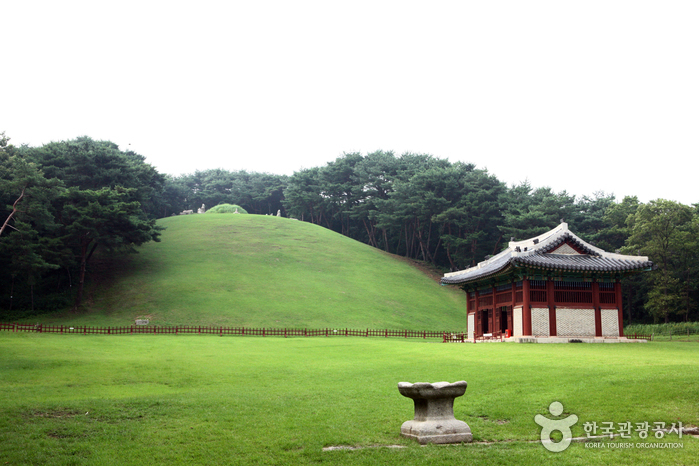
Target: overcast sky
{"points": [[578, 96]]}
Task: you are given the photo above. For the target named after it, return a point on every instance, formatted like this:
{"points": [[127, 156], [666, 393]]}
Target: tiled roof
{"points": [[540, 253]]}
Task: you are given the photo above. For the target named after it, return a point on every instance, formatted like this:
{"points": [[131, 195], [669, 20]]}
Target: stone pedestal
{"points": [[434, 413]]}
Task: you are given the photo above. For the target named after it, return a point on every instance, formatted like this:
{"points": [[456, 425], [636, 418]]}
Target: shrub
{"points": [[226, 209], [672, 328]]}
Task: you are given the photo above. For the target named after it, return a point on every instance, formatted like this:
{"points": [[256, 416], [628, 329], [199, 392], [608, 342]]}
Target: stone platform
{"points": [[569, 340]]}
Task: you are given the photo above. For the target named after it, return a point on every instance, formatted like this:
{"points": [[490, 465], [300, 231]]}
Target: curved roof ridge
{"points": [[543, 238], [535, 252]]}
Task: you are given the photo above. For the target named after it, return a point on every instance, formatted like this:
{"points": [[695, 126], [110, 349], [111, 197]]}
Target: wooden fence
{"points": [[495, 336], [240, 331]]}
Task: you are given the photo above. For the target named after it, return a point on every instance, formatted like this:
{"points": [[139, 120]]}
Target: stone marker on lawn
{"points": [[434, 413]]}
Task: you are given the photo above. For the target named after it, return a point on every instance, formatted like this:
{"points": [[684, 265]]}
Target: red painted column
{"points": [[617, 292], [526, 309], [478, 331], [550, 294], [496, 312], [511, 311], [595, 305]]}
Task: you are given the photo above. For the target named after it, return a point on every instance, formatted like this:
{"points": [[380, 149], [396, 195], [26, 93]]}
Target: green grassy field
{"points": [[253, 270], [155, 399]]}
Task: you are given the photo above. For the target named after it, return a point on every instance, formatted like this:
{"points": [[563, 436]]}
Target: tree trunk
{"points": [[406, 242], [495, 249], [451, 262], [83, 267], [12, 214], [370, 233]]}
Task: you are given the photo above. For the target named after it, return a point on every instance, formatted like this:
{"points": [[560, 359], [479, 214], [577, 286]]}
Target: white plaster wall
{"points": [[575, 322], [610, 322], [517, 321], [471, 325], [540, 321]]}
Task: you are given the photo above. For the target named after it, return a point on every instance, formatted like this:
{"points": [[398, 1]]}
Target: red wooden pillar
{"points": [[617, 292], [496, 312], [510, 310], [478, 331], [526, 309], [550, 295], [595, 305]]}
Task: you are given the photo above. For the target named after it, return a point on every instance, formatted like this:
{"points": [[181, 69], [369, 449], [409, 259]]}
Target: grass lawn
{"points": [[263, 271], [156, 399]]}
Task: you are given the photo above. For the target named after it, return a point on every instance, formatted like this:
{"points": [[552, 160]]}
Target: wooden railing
{"points": [[210, 330]]}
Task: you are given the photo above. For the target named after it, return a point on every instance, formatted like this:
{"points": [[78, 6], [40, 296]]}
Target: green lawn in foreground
{"points": [[156, 399], [256, 270]]}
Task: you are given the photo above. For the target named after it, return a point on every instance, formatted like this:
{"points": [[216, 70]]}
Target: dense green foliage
{"points": [[451, 215], [679, 329], [61, 203], [257, 193], [226, 209], [156, 399]]}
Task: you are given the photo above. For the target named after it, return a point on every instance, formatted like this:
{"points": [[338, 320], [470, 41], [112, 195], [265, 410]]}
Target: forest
{"points": [[63, 201]]}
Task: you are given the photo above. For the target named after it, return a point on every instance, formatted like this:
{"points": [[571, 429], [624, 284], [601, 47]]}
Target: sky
{"points": [[577, 96]]}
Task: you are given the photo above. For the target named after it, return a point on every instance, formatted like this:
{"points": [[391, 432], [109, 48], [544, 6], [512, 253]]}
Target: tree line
{"points": [[61, 203], [64, 200]]}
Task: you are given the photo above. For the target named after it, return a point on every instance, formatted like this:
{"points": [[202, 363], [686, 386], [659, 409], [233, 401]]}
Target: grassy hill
{"points": [[251, 270]]}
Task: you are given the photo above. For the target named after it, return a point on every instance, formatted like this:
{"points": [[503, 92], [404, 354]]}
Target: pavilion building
{"points": [[554, 285]]}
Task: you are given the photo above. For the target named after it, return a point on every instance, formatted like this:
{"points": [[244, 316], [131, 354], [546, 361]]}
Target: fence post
{"points": [[284, 332]]}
